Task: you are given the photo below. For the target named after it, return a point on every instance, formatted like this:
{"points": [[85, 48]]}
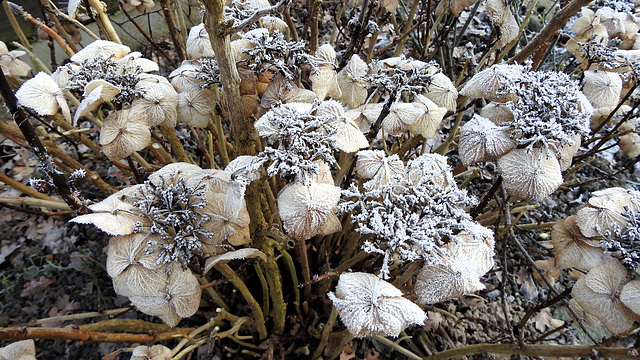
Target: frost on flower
{"points": [[273, 50], [369, 306], [296, 138], [410, 217], [549, 111]]}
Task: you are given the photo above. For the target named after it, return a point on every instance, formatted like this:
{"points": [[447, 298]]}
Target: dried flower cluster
{"points": [[413, 212], [177, 222]]}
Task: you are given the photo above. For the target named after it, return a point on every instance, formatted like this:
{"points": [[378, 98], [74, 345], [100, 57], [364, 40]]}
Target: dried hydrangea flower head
{"points": [[501, 16], [122, 134], [411, 216], [351, 80], [432, 168], [482, 140], [296, 138], [154, 352], [324, 82], [530, 174], [348, 137], [602, 88], [10, 64], [198, 44], [574, 249], [42, 95], [309, 210], [598, 293], [19, 350], [549, 112], [587, 27], [280, 90], [180, 298], [490, 83], [370, 306]]}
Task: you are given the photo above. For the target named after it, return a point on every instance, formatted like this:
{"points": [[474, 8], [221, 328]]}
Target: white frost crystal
{"points": [[369, 306]]}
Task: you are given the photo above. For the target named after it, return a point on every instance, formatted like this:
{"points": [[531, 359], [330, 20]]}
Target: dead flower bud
{"points": [[382, 170], [370, 306]]}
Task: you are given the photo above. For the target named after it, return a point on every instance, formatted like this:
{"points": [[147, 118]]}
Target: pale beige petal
{"points": [[39, 94], [531, 175]]}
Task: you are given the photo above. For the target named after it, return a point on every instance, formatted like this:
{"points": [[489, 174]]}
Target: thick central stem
{"points": [[217, 26]]}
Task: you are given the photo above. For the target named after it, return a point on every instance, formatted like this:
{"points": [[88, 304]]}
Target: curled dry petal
{"points": [[113, 215], [382, 170], [352, 85], [429, 122], [370, 306], [430, 168], [442, 91], [195, 107], [198, 43], [488, 83], [400, 116], [531, 175], [42, 95], [348, 137], [227, 221]]}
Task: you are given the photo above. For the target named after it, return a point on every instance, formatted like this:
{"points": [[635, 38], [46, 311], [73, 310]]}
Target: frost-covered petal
{"points": [[370, 306], [481, 140], [487, 83], [531, 175], [111, 215], [602, 88], [442, 91], [304, 209]]}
